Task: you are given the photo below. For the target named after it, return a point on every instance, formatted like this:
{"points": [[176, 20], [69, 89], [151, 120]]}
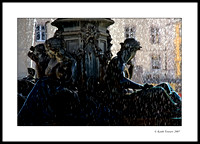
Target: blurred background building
{"points": [[159, 60], [30, 32]]}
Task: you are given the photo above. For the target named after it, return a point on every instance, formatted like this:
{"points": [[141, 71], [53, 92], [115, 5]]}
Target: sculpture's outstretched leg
{"points": [[153, 102], [174, 95]]}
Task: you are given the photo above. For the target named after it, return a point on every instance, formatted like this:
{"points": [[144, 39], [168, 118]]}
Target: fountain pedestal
{"points": [[89, 41]]}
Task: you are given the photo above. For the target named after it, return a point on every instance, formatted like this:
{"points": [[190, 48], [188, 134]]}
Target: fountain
{"points": [[77, 82]]}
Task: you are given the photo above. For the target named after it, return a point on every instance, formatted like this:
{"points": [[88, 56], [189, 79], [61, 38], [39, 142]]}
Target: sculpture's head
{"points": [[129, 49], [37, 52], [55, 47]]}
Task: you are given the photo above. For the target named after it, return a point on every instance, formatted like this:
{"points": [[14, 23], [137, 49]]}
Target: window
{"points": [[155, 35], [156, 77], [156, 62], [130, 32], [148, 76], [40, 33]]}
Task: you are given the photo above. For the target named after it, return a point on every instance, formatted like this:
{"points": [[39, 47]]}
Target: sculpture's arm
{"points": [[130, 69], [73, 65], [127, 82], [130, 84], [52, 63]]}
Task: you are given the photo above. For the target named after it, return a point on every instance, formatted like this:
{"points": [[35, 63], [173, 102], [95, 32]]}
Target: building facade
{"points": [[159, 59]]}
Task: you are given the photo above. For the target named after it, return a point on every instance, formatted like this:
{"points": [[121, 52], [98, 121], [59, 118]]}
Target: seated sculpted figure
{"points": [[146, 99], [53, 99], [61, 65]]}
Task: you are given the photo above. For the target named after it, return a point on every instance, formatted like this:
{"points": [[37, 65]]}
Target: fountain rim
{"points": [[59, 21]]}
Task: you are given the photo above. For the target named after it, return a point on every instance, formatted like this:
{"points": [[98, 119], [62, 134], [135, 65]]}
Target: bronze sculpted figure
{"points": [[116, 74], [61, 65], [53, 95], [144, 100]]}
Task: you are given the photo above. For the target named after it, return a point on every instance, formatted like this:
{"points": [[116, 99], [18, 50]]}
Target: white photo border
{"points": [[186, 11]]}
